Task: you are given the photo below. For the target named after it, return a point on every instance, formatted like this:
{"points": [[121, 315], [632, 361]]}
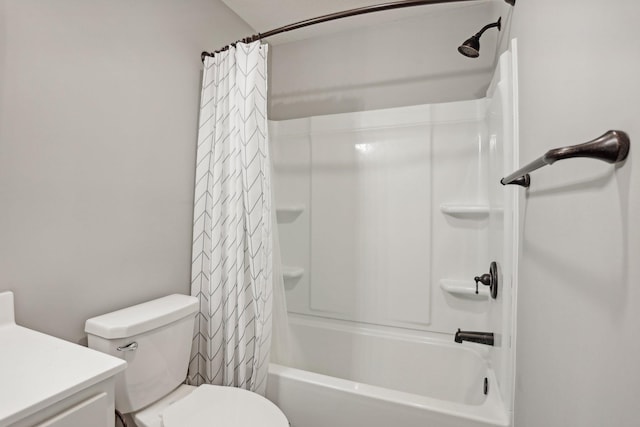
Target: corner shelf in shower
{"points": [[292, 273], [463, 288], [288, 213], [465, 210]]}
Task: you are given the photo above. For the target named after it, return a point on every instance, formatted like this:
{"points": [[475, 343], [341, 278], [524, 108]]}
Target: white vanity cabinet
{"points": [[49, 382], [85, 413]]}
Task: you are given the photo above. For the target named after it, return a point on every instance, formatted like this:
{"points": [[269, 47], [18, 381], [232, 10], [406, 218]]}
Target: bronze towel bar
{"points": [[612, 147]]}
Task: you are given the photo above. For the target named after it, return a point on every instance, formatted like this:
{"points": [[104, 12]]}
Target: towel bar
{"points": [[612, 147]]}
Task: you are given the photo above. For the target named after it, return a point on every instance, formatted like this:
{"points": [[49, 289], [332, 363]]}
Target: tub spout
{"points": [[478, 337]]}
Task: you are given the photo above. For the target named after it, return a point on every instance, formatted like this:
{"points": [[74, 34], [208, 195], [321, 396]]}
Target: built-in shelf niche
{"points": [[470, 210], [464, 288], [288, 213], [292, 273]]}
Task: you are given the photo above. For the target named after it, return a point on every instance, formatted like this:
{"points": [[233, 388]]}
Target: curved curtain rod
{"points": [[338, 15]]}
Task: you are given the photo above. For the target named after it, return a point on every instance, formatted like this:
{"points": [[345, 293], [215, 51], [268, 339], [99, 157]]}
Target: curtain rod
{"points": [[338, 15]]}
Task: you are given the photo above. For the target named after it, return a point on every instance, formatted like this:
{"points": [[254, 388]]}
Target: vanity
{"points": [[49, 382]]}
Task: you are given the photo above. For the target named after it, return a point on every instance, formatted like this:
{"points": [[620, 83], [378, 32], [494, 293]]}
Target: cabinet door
{"points": [[90, 412]]}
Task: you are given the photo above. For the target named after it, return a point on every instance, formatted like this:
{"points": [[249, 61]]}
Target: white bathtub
{"points": [[344, 375]]}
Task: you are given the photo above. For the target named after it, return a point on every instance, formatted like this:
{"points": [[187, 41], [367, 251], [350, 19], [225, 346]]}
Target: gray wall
{"points": [[98, 121], [579, 289], [410, 61]]}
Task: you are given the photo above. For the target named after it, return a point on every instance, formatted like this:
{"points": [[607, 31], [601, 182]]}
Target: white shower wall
{"points": [[503, 241], [380, 209], [386, 216]]}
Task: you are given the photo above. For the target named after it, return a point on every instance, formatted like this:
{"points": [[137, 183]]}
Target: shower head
{"points": [[471, 47]]}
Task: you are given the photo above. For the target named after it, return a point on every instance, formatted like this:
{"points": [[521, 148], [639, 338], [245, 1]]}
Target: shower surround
{"points": [[385, 217]]}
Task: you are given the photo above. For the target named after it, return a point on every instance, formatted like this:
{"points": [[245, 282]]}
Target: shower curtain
{"points": [[232, 258]]}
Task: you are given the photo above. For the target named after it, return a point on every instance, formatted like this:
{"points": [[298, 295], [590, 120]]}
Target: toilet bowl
{"points": [[155, 340], [191, 406]]}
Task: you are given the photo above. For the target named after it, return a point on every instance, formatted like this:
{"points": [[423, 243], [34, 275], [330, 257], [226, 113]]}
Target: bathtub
{"points": [[346, 375]]}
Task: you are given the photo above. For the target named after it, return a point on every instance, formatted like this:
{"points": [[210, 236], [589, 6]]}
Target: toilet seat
{"points": [[210, 405]]}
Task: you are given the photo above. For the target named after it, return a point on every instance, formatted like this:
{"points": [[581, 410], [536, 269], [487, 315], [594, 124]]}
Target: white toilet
{"points": [[155, 340]]}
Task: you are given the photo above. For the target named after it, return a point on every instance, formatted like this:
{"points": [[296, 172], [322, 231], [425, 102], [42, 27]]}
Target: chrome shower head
{"points": [[471, 47]]}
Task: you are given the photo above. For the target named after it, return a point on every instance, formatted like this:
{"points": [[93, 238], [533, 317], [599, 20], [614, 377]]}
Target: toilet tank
{"points": [[162, 331]]}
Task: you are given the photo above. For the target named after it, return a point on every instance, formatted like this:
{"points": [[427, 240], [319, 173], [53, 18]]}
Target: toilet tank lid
{"points": [[143, 317]]}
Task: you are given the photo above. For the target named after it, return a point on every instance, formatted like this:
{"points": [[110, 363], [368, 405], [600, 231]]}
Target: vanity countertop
{"points": [[38, 370]]}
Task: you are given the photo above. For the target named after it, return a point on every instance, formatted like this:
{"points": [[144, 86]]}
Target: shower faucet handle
{"points": [[485, 279], [489, 279]]}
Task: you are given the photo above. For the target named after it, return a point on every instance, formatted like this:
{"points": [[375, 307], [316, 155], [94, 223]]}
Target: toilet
{"points": [[155, 340]]}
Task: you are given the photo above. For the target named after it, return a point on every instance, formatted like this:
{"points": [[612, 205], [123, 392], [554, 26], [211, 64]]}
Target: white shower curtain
{"points": [[232, 229]]}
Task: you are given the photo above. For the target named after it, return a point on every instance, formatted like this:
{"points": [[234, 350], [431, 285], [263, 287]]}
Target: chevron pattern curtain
{"points": [[232, 228]]}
